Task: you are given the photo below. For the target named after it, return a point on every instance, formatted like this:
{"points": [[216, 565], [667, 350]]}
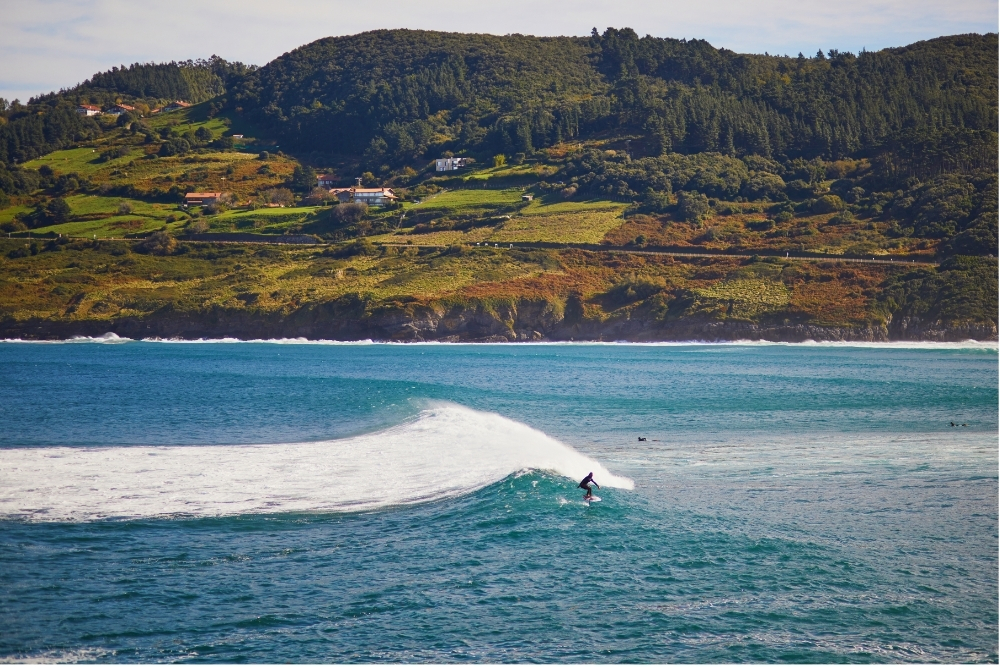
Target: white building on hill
{"points": [[449, 163], [370, 196]]}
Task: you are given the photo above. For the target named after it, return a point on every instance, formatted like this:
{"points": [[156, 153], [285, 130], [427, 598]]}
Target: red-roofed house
{"points": [[325, 180], [119, 109], [88, 110], [173, 106]]}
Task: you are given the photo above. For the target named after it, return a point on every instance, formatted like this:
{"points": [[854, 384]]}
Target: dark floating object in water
{"points": [[641, 439]]}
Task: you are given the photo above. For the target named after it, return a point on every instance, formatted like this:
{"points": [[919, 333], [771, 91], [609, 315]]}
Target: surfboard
{"points": [[592, 499]]}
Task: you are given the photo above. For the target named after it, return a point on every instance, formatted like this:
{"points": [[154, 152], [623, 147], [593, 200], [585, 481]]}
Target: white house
{"points": [[449, 163], [370, 196], [88, 110], [374, 196]]}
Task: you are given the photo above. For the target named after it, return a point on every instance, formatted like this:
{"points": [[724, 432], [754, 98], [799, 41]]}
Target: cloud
{"points": [[50, 44]]}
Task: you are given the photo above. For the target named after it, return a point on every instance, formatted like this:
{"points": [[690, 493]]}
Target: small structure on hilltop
{"points": [[449, 163], [201, 198], [88, 110], [527, 197], [173, 106]]}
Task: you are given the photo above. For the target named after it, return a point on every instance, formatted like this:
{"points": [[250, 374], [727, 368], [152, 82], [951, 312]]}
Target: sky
{"points": [[46, 45]]}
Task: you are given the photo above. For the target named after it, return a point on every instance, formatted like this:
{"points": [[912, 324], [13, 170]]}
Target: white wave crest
{"points": [[108, 337], [446, 451], [57, 656]]}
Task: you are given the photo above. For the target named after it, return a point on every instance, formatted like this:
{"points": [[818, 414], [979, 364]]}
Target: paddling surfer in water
{"points": [[585, 484]]}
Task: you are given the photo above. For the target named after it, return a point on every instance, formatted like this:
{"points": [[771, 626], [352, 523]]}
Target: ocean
{"points": [[287, 501]]}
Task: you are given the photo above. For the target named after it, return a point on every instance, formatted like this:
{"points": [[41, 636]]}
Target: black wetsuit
{"points": [[585, 484]]}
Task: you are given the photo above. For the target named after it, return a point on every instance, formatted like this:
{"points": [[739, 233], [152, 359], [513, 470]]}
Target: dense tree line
{"points": [[395, 93], [190, 80], [390, 92]]}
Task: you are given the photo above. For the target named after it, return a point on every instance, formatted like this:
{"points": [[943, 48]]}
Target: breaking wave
{"points": [[446, 451]]}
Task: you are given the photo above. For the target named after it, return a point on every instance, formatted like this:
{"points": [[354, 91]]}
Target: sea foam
{"points": [[446, 451]]}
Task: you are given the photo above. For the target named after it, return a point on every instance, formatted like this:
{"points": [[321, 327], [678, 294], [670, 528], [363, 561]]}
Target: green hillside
{"points": [[613, 141]]}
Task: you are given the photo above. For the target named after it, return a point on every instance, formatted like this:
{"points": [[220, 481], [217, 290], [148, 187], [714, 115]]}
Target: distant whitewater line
{"points": [[913, 345], [446, 451]]}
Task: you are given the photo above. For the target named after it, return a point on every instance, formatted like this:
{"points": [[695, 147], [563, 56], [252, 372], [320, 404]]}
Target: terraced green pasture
{"points": [[84, 161], [469, 202]]}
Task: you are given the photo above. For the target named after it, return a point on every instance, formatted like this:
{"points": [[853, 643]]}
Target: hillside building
{"points": [[325, 180], [119, 109], [173, 106], [449, 163], [370, 196], [201, 198], [88, 110]]}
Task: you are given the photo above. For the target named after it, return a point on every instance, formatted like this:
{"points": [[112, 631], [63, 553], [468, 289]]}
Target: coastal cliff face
{"points": [[514, 321]]}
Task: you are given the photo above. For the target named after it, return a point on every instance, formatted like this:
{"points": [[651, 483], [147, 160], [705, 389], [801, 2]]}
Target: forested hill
{"points": [[393, 94], [192, 80], [49, 122]]}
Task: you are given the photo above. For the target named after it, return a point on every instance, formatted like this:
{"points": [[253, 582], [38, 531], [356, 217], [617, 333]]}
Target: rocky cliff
{"points": [[519, 320]]}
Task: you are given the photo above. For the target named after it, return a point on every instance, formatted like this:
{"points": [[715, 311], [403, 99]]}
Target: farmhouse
{"points": [[119, 109], [201, 198], [370, 196], [173, 106], [325, 180], [450, 163], [88, 110]]}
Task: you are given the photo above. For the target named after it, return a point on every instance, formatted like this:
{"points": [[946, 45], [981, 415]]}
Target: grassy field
{"points": [[183, 120], [262, 220], [468, 202], [7, 214], [511, 171], [117, 226], [85, 161], [555, 206], [582, 227], [542, 219]]}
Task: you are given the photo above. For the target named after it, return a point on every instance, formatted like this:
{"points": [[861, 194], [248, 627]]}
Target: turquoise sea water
{"points": [[264, 502]]}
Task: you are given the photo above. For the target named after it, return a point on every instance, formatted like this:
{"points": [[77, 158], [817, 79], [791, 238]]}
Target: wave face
{"points": [[446, 451]]}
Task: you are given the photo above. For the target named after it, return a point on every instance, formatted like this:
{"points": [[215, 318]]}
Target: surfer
{"points": [[585, 484]]}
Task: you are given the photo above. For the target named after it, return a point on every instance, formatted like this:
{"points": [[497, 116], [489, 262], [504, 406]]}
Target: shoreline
{"points": [[532, 323], [110, 338]]}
